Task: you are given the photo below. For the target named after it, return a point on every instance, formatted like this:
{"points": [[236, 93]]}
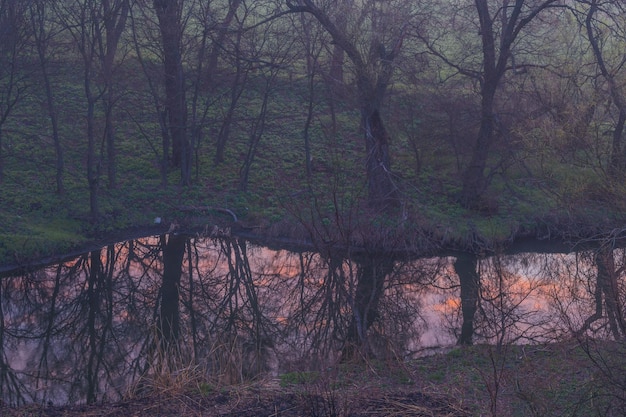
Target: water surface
{"points": [[96, 326]]}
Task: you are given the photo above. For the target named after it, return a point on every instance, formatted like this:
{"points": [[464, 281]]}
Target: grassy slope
{"points": [[557, 197]]}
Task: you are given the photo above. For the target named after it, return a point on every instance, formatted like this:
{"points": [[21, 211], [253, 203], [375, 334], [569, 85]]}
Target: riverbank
{"points": [[413, 234], [562, 379]]}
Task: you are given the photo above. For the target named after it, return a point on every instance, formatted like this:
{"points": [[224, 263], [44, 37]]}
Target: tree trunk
{"points": [[258, 127], [465, 268], [109, 134], [374, 71], [382, 191], [618, 156], [38, 18], [115, 16], [237, 88], [93, 166], [10, 17], [168, 14], [94, 285], [336, 67], [474, 180], [52, 114], [165, 146], [617, 159], [308, 159], [607, 284], [494, 64], [371, 276], [1, 158], [218, 44], [99, 316], [169, 317]]}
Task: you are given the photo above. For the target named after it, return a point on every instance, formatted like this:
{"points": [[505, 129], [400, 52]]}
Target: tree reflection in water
{"points": [[89, 328]]}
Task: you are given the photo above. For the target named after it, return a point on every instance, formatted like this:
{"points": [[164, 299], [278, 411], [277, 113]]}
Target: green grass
{"points": [[547, 189], [546, 380], [298, 378]]}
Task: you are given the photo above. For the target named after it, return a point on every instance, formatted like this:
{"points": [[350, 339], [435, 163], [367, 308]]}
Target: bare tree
{"points": [[11, 388], [219, 46], [170, 14], [238, 81], [312, 50], [12, 74], [114, 14], [500, 26], [607, 297], [269, 54], [44, 31], [81, 19], [144, 41], [605, 29], [199, 78], [465, 267], [96, 29], [99, 317], [371, 40], [173, 247], [372, 273]]}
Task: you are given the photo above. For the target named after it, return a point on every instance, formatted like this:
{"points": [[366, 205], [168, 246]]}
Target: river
{"points": [[99, 325]]}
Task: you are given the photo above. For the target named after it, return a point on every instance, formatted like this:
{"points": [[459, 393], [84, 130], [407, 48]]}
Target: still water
{"points": [[95, 326]]}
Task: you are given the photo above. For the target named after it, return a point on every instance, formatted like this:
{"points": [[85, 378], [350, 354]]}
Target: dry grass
{"points": [[554, 380]]}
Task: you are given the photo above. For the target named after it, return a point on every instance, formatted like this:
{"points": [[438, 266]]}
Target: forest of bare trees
{"points": [[501, 93]]}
